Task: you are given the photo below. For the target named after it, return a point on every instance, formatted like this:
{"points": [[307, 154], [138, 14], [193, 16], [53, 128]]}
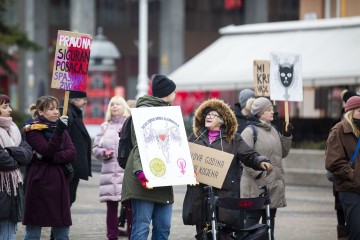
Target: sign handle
{"points": [[66, 103], [286, 115]]}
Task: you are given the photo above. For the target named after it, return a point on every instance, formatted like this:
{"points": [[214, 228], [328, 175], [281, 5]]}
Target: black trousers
{"points": [[350, 202], [73, 185]]}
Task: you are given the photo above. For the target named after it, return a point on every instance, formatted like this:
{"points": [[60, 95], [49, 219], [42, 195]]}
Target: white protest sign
{"points": [[285, 77], [163, 146], [211, 165]]}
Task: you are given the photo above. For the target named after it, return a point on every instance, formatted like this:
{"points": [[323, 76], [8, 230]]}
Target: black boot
{"points": [[341, 232]]}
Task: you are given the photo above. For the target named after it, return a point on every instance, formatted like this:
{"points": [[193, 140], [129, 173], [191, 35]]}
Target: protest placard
{"points": [[163, 146], [210, 165], [261, 69], [71, 61]]}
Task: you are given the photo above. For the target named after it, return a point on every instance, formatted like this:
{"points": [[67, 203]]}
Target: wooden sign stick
{"points": [[286, 115], [66, 103]]}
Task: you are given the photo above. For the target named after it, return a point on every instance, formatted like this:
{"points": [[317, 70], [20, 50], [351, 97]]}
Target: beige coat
{"points": [[275, 146]]}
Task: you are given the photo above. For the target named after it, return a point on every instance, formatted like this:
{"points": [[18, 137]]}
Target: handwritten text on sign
{"points": [[210, 165], [261, 78], [71, 63]]}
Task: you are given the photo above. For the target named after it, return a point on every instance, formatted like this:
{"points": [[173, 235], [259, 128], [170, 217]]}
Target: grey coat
{"points": [[275, 146]]}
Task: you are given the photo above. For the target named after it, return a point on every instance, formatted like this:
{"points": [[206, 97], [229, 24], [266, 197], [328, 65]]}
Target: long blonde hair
{"points": [[349, 117], [125, 106]]}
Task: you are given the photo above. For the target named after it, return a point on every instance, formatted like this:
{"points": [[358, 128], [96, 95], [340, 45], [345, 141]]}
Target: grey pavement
{"points": [[309, 215]]}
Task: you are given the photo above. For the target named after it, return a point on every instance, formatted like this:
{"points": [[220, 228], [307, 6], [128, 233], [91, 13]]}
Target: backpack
{"points": [[125, 144], [254, 131]]}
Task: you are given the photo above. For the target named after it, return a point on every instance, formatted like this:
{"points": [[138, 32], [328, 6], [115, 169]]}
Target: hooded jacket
{"points": [[131, 188], [228, 141]]}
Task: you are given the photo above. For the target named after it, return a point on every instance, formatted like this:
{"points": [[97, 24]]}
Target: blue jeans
{"points": [[34, 233], [7, 230], [143, 213]]}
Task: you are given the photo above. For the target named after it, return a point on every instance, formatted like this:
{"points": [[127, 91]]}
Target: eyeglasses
{"points": [[212, 115]]}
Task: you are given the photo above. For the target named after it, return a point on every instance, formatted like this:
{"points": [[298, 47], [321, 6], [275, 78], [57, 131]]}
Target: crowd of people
{"points": [[42, 162]]}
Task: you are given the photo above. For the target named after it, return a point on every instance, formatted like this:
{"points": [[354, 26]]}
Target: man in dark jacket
{"points": [[81, 140]]}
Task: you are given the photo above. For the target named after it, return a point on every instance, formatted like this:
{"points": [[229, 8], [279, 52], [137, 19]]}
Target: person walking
{"points": [[81, 140], [149, 205], [46, 198], [215, 127], [275, 146], [342, 159], [14, 153], [105, 148]]}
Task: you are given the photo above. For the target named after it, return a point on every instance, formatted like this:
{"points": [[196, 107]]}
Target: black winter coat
{"points": [[82, 142]]}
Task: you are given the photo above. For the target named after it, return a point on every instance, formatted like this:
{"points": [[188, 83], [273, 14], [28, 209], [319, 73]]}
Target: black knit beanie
{"points": [[346, 94], [77, 94], [162, 86]]}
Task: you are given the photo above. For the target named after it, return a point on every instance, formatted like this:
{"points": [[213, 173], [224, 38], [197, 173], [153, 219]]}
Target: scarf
{"points": [[213, 134], [41, 124], [10, 136]]}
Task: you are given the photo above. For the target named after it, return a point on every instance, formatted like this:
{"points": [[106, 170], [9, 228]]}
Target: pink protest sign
{"points": [[71, 61]]}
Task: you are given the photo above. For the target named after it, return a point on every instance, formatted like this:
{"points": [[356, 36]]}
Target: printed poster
{"points": [[285, 77], [261, 69], [71, 61], [163, 146]]}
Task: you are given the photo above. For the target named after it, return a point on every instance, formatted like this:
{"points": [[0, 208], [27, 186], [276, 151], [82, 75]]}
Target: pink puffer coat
{"points": [[112, 174]]}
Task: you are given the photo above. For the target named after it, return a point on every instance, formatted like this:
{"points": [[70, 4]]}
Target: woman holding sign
{"points": [[265, 138], [215, 126], [47, 202]]}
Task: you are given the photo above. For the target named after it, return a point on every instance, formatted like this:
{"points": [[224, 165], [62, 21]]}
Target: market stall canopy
{"points": [[330, 50]]}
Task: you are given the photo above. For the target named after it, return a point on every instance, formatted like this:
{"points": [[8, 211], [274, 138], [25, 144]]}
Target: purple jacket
{"points": [[112, 174], [47, 201]]}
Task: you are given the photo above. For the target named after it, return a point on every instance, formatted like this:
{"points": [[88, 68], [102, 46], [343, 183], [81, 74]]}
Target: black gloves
{"points": [[62, 124], [289, 131]]}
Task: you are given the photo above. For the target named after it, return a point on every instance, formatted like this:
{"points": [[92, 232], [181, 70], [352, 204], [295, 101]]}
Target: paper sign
{"points": [[163, 146], [210, 165], [285, 77], [261, 78], [71, 61]]}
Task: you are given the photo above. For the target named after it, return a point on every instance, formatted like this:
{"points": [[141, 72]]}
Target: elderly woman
{"points": [[215, 127], [14, 152], [275, 146], [342, 159], [105, 148]]}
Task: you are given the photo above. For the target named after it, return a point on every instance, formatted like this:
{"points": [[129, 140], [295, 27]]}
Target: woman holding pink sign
{"points": [[47, 202]]}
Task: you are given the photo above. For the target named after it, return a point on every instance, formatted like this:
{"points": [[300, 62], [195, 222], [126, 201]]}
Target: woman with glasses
{"points": [[215, 126]]}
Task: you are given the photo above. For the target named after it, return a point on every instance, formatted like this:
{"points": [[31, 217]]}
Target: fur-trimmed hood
{"points": [[230, 123]]}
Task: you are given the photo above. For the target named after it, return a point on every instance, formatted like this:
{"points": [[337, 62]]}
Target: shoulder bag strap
{"points": [[352, 160]]}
